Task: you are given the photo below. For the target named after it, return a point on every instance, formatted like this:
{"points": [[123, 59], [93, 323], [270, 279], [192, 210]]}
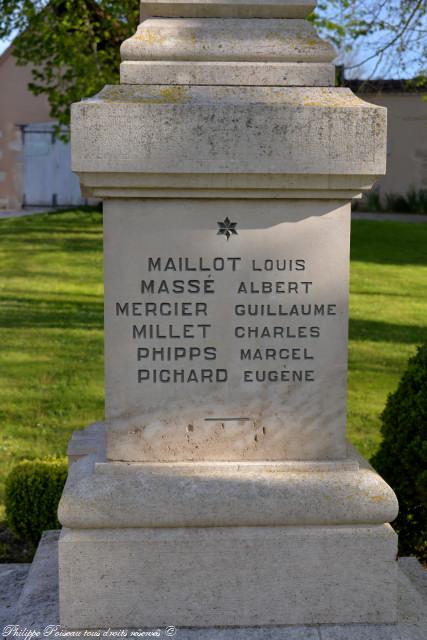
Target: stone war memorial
{"points": [[221, 490]]}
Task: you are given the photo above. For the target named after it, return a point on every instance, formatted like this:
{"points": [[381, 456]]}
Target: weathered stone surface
{"points": [[232, 576], [38, 604], [12, 579], [412, 612], [411, 625], [90, 440], [228, 40], [276, 74], [295, 407], [222, 130], [207, 495], [227, 8], [411, 568]]}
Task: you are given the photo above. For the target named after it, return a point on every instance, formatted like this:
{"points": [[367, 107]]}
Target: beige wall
{"points": [[407, 141], [17, 106]]}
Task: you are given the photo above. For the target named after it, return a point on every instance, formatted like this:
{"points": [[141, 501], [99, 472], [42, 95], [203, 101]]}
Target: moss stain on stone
{"points": [[150, 37], [138, 94], [175, 94]]}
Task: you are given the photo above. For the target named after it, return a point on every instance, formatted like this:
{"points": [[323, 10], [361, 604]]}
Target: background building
{"points": [[407, 132], [34, 166]]}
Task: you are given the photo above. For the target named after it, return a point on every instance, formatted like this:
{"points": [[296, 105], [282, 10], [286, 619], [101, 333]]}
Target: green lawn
{"points": [[388, 318], [51, 307], [51, 310]]}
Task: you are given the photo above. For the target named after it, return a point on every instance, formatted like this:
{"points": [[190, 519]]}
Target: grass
{"points": [[51, 314], [388, 318]]}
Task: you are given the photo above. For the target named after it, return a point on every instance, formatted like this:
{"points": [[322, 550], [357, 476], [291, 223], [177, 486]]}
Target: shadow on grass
{"points": [[389, 243], [69, 231], [376, 331], [380, 294], [36, 312], [54, 243]]}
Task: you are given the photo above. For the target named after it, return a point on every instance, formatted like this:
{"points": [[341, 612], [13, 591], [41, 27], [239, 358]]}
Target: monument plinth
{"points": [[221, 490]]}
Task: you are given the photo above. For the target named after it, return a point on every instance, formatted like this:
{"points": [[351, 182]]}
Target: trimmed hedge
{"points": [[402, 456], [33, 490]]}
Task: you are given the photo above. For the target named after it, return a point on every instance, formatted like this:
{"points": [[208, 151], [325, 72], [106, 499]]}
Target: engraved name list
{"points": [[268, 310]]}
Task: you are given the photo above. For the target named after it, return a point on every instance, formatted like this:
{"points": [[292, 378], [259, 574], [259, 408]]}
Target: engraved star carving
{"points": [[227, 228]]}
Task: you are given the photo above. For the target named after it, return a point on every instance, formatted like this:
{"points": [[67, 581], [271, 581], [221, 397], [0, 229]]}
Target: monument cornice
{"points": [[227, 8], [267, 141], [122, 186]]}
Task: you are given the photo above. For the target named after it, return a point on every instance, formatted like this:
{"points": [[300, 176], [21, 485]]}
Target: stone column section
{"points": [[220, 490]]}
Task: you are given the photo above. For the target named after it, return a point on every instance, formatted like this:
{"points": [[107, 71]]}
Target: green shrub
{"points": [[396, 203], [373, 201], [370, 201], [402, 457], [415, 201], [33, 490]]}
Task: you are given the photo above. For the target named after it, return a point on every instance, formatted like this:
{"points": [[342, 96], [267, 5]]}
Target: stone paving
{"points": [[12, 580]]}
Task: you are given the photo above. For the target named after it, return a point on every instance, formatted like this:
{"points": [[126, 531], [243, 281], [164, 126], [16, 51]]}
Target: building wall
{"points": [[407, 141], [18, 106]]}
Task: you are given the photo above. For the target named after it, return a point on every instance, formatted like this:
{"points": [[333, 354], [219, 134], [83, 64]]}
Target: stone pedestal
{"points": [[228, 576], [221, 491]]}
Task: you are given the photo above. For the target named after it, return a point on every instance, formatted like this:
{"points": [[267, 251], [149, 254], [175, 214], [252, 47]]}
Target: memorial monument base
{"points": [[224, 544], [35, 606], [227, 576]]}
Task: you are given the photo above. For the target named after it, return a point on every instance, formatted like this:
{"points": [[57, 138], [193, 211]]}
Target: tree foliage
{"points": [[402, 456], [74, 45], [377, 38]]}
